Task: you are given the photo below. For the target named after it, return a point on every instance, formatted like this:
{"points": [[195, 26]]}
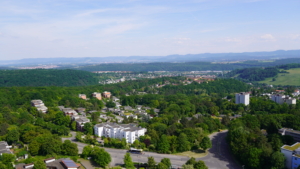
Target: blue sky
{"points": [[101, 28]]}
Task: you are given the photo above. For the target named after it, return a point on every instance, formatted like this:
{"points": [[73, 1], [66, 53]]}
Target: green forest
{"points": [[185, 119], [46, 77]]}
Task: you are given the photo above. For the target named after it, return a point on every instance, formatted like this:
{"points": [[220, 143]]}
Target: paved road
{"points": [[217, 158]]}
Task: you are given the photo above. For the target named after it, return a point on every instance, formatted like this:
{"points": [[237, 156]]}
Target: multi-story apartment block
{"points": [[40, 106], [128, 131], [242, 98], [106, 94], [97, 95], [280, 99], [292, 155], [82, 96]]}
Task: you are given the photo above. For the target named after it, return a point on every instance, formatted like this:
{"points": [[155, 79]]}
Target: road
{"points": [[219, 156]]}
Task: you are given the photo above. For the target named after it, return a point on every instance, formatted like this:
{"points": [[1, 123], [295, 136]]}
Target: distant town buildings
{"points": [[40, 106], [128, 131], [97, 95], [106, 94], [280, 99], [82, 96], [242, 98], [292, 155]]}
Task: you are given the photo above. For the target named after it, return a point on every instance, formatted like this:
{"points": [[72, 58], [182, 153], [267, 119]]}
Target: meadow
{"points": [[291, 78]]}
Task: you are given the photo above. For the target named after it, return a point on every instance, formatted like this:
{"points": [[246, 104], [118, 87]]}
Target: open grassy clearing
{"points": [[195, 153], [292, 78]]}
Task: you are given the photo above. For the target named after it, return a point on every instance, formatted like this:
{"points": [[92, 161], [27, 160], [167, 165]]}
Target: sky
{"points": [[103, 28]]}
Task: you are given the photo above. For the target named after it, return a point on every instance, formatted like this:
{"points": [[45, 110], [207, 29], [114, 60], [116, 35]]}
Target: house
{"points": [[52, 163], [128, 108], [118, 105], [292, 155], [112, 130], [97, 95], [40, 106], [82, 96], [106, 94], [115, 99], [242, 98], [80, 122], [80, 110], [294, 133], [5, 148], [280, 99], [156, 110], [139, 107], [69, 112]]}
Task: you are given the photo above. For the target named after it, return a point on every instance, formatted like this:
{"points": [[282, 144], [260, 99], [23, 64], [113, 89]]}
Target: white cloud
{"points": [[232, 40], [268, 37]]}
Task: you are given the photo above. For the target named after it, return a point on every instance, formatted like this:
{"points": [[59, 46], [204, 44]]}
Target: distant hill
{"points": [[186, 66], [204, 57], [46, 77], [287, 74]]}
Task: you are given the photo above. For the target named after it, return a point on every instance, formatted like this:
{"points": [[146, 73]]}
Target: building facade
{"points": [[280, 99], [242, 98], [128, 131], [97, 95], [292, 155]]}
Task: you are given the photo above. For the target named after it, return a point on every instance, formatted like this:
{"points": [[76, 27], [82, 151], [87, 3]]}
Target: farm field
{"points": [[292, 78]]}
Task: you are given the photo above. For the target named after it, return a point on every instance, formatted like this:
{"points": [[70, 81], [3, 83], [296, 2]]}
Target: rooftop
{"points": [[292, 147]]}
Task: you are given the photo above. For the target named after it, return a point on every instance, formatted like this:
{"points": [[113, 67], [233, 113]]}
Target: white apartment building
{"points": [[292, 155], [280, 99], [242, 98], [128, 131]]}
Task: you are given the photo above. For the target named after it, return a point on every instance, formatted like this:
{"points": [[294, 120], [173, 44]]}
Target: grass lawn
{"points": [[292, 78], [195, 153]]}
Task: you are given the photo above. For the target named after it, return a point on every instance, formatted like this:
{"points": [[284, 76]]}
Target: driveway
{"points": [[219, 156]]}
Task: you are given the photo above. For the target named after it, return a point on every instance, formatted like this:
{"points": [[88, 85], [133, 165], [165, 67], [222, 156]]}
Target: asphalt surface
{"points": [[219, 156]]}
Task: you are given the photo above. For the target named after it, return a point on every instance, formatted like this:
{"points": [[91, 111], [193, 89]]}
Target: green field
{"points": [[292, 78]]}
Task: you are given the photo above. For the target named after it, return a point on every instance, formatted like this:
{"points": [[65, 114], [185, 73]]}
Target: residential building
{"points": [[40, 106], [69, 112], [5, 148], [82, 96], [52, 163], [242, 98], [294, 133], [80, 121], [97, 95], [115, 99], [80, 110], [280, 99], [292, 155], [106, 94], [128, 131]]}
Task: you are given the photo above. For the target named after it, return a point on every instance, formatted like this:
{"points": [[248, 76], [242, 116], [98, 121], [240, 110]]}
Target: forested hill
{"points": [[259, 74], [46, 77], [186, 66]]}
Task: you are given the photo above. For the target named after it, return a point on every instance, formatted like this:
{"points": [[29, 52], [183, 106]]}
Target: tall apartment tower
{"points": [[242, 98]]}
